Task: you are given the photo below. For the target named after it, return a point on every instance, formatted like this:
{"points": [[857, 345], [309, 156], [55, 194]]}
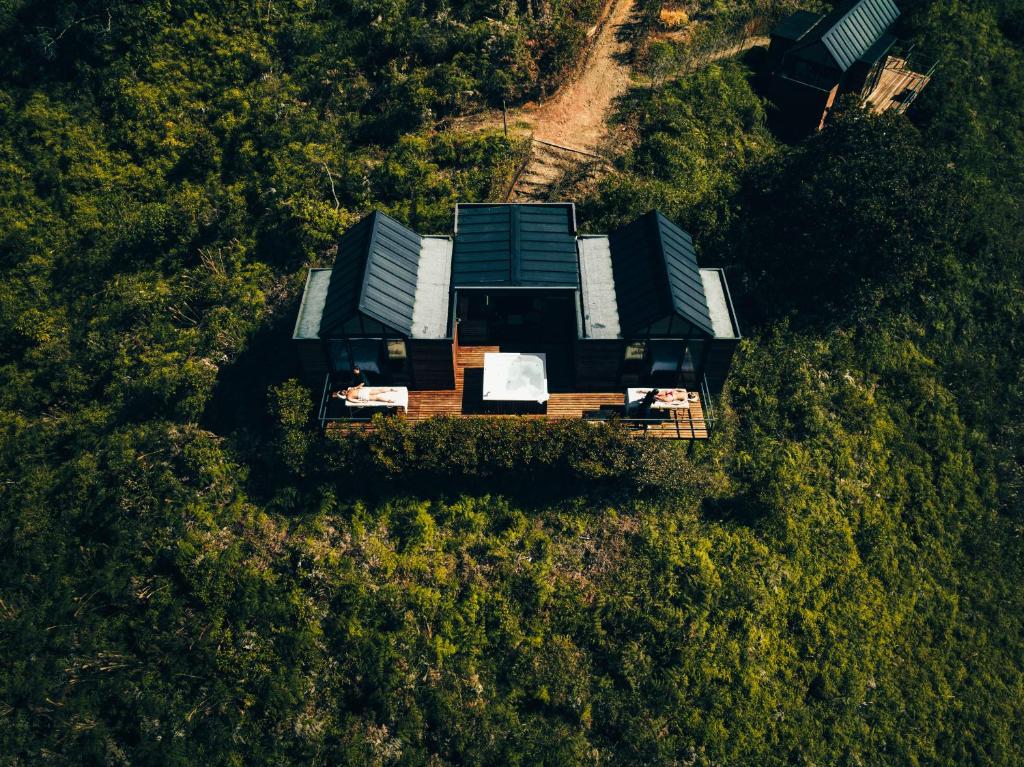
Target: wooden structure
{"points": [[895, 85], [816, 58], [694, 423], [629, 309]]}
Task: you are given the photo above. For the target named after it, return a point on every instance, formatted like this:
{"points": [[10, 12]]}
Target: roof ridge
{"points": [[656, 216], [662, 222], [360, 305]]}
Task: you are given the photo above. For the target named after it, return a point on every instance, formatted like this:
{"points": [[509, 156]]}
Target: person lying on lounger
{"points": [[388, 395], [675, 395]]}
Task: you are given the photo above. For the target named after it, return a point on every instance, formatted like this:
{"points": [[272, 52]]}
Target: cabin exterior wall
{"points": [[805, 108], [778, 47], [718, 362], [855, 78], [312, 361], [597, 364], [431, 363]]}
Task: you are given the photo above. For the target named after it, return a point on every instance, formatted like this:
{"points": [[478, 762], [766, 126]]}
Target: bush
{"points": [[292, 406], [512, 449]]}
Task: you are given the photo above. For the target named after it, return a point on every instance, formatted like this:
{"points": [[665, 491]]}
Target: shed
{"points": [[816, 58]]}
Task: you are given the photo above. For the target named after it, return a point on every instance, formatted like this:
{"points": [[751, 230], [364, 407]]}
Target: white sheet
{"points": [[401, 398], [515, 377], [635, 395]]}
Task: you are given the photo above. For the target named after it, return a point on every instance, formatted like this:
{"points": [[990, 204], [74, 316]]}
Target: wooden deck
{"points": [[466, 401], [897, 85]]}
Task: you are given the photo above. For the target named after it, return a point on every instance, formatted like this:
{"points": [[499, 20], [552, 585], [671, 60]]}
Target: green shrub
{"points": [[513, 449], [292, 407]]}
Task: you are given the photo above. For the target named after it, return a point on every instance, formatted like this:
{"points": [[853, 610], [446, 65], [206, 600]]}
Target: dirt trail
{"points": [[576, 118], [577, 114]]}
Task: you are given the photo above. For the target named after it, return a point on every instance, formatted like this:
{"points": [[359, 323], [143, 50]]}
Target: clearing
{"points": [[572, 126]]}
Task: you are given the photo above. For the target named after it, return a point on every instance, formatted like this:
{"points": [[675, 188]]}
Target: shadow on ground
{"points": [[239, 402]]}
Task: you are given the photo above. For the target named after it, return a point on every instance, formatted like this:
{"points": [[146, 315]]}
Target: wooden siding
{"points": [[464, 401], [431, 364], [312, 361], [719, 360], [597, 363]]}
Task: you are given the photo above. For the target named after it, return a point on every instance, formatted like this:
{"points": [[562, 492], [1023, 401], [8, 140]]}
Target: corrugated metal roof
{"points": [[515, 246], [374, 274], [879, 49], [656, 274], [857, 29]]}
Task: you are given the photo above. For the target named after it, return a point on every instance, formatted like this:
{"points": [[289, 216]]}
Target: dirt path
{"points": [[576, 118], [577, 115]]}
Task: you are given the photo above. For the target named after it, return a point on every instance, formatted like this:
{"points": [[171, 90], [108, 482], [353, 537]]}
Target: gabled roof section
{"points": [[505, 245], [656, 274], [374, 274], [856, 30], [847, 33], [795, 26]]}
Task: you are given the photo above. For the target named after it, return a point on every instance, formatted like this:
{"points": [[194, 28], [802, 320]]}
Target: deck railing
{"points": [[675, 424]]}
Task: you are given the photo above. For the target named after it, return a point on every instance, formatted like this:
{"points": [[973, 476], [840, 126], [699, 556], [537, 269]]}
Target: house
{"points": [[814, 59], [603, 313]]}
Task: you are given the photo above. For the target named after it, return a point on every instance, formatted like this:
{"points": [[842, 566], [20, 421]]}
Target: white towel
{"points": [[636, 395], [400, 398]]}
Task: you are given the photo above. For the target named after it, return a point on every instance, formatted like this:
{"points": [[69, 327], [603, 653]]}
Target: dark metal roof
{"points": [[881, 48], [374, 274], [796, 25], [656, 274], [858, 29], [515, 246], [847, 33]]}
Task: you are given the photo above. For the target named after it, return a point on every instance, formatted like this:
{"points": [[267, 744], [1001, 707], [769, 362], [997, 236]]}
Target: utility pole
{"points": [[504, 117]]}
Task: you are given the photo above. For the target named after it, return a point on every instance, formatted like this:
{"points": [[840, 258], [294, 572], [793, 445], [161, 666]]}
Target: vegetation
{"points": [[193, 575]]}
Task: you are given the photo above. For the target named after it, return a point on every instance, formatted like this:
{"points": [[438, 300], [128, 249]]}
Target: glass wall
{"points": [[666, 362], [383, 360]]}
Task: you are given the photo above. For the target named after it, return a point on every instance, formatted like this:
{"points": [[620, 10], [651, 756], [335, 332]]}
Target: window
{"points": [[692, 358], [636, 351], [633, 359], [665, 357], [366, 352], [396, 350], [338, 356]]}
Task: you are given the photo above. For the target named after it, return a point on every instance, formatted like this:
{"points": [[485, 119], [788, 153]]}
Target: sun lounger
{"points": [[400, 398], [635, 396]]}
